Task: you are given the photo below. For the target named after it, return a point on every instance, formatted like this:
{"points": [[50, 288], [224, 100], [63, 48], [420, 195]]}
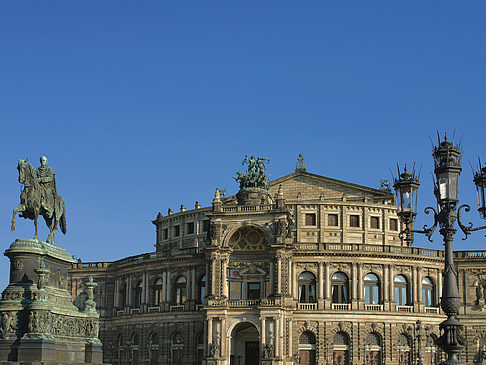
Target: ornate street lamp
{"points": [[447, 168], [406, 187], [480, 181]]}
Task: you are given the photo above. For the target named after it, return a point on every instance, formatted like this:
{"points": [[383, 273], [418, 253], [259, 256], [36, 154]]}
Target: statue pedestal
{"points": [[39, 323], [253, 196], [31, 350]]}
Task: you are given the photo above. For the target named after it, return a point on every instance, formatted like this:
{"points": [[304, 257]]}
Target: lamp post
{"points": [[416, 335], [447, 168]]}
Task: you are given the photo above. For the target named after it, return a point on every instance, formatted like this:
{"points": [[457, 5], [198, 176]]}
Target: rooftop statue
{"points": [[39, 197], [256, 176]]}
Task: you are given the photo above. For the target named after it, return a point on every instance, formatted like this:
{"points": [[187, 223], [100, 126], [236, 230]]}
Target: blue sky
{"points": [[141, 106]]}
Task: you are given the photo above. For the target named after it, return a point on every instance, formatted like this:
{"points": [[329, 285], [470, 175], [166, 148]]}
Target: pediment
{"points": [[302, 185]]}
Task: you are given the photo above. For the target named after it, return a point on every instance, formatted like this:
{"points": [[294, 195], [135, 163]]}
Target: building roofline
{"points": [[384, 193]]}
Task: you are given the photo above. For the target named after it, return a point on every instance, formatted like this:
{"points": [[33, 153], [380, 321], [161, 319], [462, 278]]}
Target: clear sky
{"points": [[145, 105]]}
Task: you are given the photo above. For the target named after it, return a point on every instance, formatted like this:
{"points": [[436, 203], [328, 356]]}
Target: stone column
{"points": [[414, 288], [327, 285], [194, 284], [206, 331], [276, 332], [385, 289], [281, 334], [208, 286], [169, 288], [354, 286], [144, 288], [189, 284], [128, 298], [210, 330], [272, 276], [419, 288], [360, 285], [213, 276], [224, 280], [116, 298], [279, 274], [289, 335], [320, 293], [263, 337], [222, 332], [164, 286], [391, 275], [294, 290], [291, 283]]}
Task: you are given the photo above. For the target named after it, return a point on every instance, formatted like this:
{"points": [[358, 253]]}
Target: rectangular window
{"points": [[253, 290], [310, 219], [177, 231], [190, 228], [375, 222], [332, 220], [393, 224], [205, 225], [166, 233], [235, 290], [354, 220]]}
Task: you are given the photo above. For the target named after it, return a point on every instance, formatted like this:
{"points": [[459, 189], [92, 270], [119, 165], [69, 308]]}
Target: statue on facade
{"points": [[39, 197], [267, 351], [300, 166], [480, 288], [256, 175], [213, 350]]}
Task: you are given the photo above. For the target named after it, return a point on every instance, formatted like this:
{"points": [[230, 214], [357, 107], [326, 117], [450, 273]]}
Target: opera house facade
{"points": [[304, 269]]}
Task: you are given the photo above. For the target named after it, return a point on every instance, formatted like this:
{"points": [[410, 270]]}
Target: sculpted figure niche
{"points": [[39, 197]]}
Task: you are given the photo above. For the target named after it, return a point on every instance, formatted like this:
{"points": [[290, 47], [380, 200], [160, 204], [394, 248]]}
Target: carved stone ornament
{"points": [[8, 323], [340, 266]]}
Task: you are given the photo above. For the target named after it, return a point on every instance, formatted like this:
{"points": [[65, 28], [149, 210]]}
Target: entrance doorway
{"points": [[245, 345]]}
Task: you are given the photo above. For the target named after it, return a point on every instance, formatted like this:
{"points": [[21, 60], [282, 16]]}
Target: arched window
{"points": [[153, 347], [138, 295], [340, 349], [307, 348], [157, 293], [373, 349], [135, 350], [404, 349], [340, 288], [371, 289], [401, 290], [180, 290], [428, 292], [432, 352], [307, 287], [120, 349], [123, 295], [202, 288], [200, 348], [177, 348]]}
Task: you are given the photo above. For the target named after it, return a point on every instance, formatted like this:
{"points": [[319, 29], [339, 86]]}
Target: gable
{"points": [[306, 186]]}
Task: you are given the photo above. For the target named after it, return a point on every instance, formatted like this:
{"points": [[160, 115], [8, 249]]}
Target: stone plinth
{"points": [[39, 323], [253, 196]]}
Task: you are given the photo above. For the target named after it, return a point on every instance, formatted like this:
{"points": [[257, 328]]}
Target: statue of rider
{"points": [[47, 180]]}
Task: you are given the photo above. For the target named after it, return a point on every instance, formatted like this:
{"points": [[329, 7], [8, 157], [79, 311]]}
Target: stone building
{"points": [[310, 270]]}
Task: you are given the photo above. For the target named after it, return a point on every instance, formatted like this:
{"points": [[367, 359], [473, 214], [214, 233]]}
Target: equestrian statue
{"points": [[39, 197]]}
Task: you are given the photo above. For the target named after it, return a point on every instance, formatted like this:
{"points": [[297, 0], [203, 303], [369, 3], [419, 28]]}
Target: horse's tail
{"points": [[62, 223]]}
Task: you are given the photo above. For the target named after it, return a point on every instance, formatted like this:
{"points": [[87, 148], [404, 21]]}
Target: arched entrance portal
{"points": [[245, 345]]}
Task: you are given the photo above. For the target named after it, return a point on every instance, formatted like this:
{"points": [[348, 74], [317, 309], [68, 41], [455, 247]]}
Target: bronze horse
{"points": [[31, 207]]}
